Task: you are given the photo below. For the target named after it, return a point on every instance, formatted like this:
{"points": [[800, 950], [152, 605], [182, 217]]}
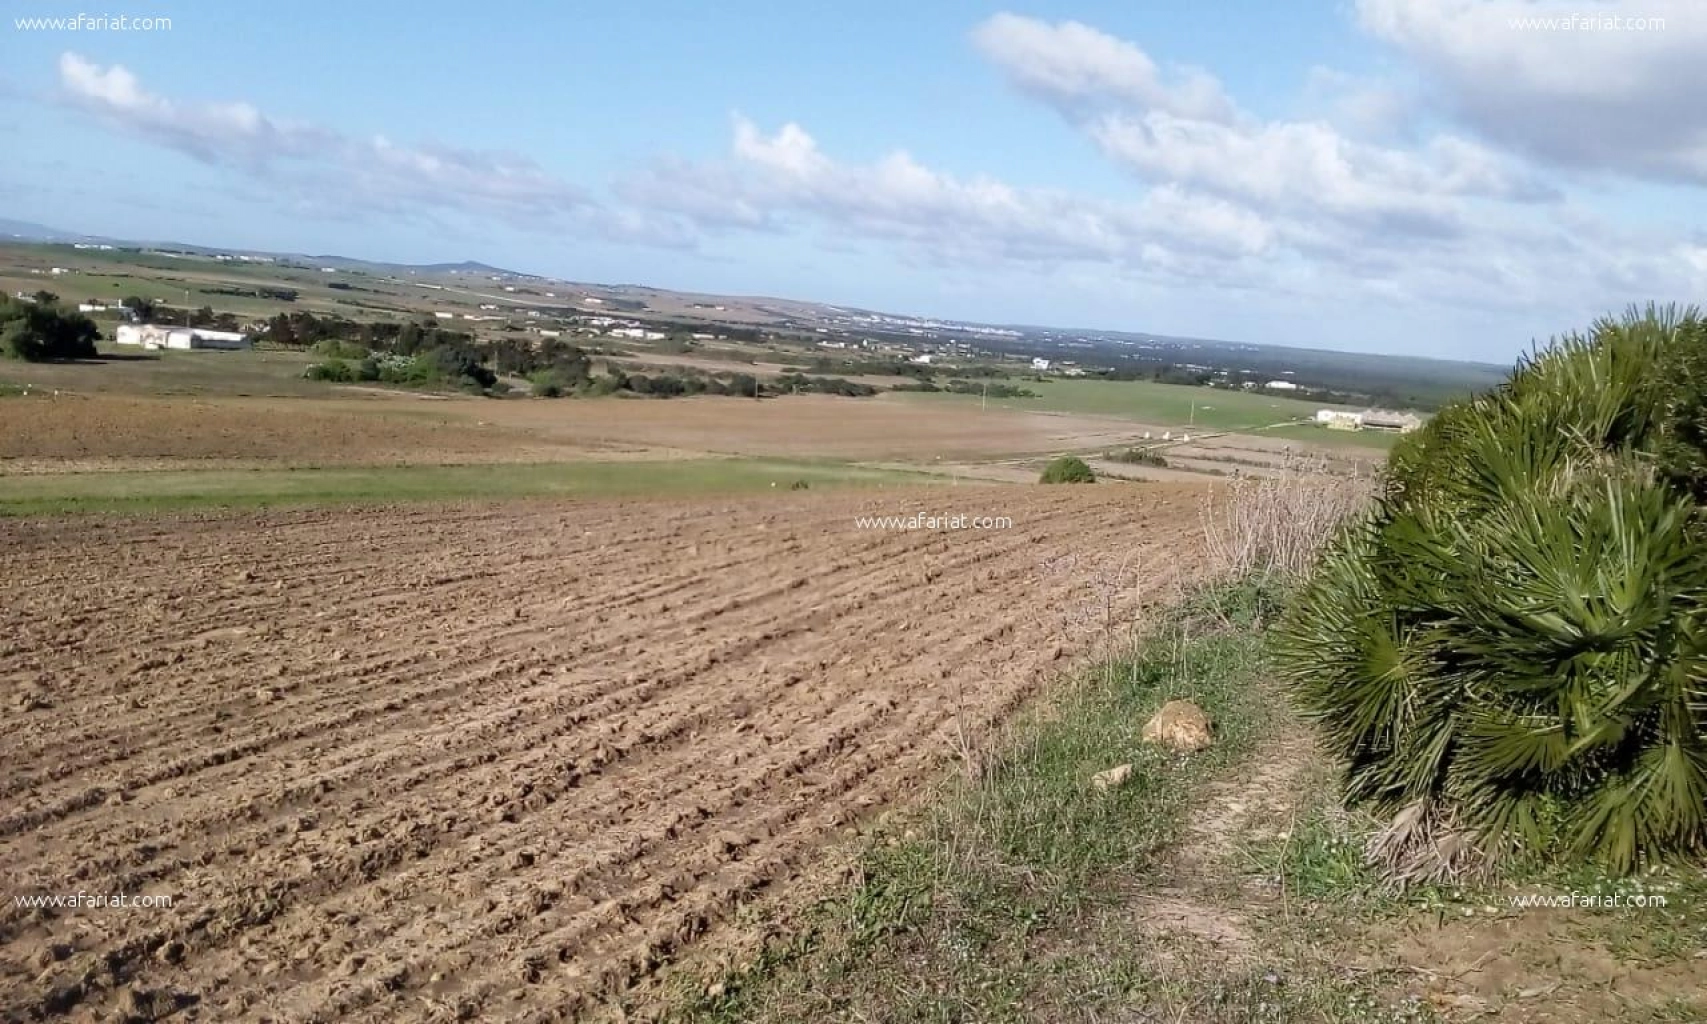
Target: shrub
{"points": [[402, 369], [40, 332], [1141, 457], [459, 365], [546, 385], [1516, 638], [988, 389], [1068, 469], [335, 370], [338, 349], [797, 383]]}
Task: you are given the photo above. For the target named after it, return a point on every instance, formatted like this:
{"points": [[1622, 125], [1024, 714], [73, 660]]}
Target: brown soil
{"points": [[1536, 966], [83, 433], [372, 426], [486, 762]]}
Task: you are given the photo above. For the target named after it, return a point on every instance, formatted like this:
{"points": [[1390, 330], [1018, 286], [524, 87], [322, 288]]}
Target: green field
{"points": [[132, 371], [1162, 405], [1309, 432], [190, 489]]}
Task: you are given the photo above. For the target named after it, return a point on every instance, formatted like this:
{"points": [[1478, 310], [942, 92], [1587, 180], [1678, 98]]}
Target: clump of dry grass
{"points": [[1424, 844], [1274, 526]]}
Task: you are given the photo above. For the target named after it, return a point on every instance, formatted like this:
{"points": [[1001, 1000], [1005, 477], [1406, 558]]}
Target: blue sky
{"points": [[1436, 177]]}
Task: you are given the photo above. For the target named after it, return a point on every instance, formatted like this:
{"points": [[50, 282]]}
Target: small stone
{"points": [[1112, 778], [1181, 726]]}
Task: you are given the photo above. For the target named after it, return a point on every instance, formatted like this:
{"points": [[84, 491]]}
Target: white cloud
{"points": [[770, 179], [1432, 218], [324, 166], [1072, 64], [1286, 168], [1563, 81], [1360, 106]]}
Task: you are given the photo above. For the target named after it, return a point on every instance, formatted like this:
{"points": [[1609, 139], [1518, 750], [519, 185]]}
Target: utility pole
{"points": [[984, 398], [186, 307]]}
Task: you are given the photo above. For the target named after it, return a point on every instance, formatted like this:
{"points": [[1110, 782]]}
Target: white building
{"points": [[1339, 419], [638, 334], [155, 336], [1369, 419], [1383, 419], [145, 335], [1281, 385], [201, 337], [1039, 364], [91, 307]]}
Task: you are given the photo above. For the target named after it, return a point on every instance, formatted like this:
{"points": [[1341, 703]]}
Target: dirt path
{"points": [[1207, 893], [479, 762], [1215, 916]]}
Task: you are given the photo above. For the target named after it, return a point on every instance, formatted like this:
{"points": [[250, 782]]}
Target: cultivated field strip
{"points": [[494, 762]]}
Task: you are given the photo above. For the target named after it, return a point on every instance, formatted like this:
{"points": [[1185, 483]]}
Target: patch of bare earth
{"points": [[1534, 966], [1204, 892], [484, 762], [108, 434], [1214, 914]]}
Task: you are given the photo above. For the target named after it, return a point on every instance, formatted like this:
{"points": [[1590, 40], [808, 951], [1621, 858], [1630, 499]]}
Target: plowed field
{"points": [[494, 762]]}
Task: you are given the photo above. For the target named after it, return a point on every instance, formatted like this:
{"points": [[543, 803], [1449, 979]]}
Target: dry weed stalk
{"points": [[1276, 525]]}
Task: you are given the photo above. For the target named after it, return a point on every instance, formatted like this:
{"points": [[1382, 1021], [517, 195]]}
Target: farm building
{"points": [[1399, 422], [146, 335], [638, 334], [1281, 385], [1339, 419], [155, 336], [1368, 419]]}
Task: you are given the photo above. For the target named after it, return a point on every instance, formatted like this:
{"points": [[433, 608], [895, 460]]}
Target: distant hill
{"points": [[1419, 377], [30, 231], [465, 267]]}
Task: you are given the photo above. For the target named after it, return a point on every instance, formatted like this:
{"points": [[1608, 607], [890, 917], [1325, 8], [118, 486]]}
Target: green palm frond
{"points": [[1519, 631]]}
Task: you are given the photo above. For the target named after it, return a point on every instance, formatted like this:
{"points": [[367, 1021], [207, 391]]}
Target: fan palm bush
{"points": [[1516, 636], [1068, 469]]}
